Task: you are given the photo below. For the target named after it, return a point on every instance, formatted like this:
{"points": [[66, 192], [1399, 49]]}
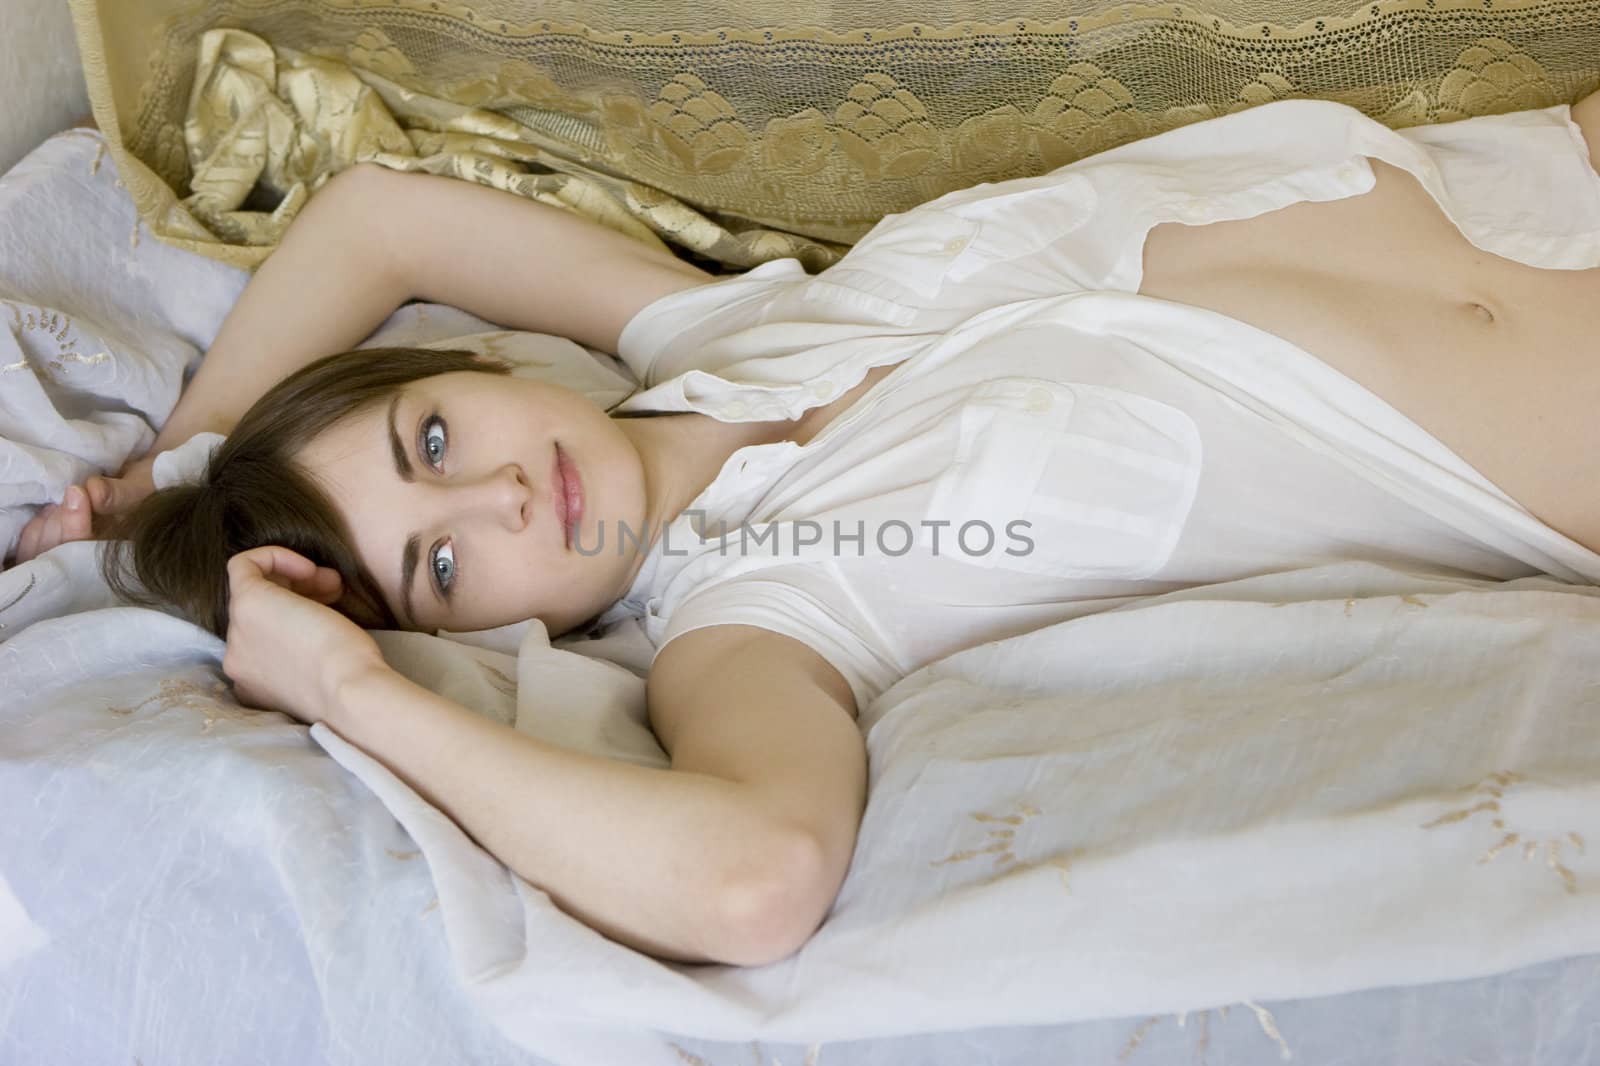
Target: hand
{"points": [[287, 649], [73, 518]]}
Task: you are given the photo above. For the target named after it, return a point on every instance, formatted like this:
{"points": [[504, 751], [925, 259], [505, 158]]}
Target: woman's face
{"points": [[455, 496]]}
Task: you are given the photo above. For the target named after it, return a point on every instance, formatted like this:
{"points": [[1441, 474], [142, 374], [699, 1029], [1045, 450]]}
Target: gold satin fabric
{"points": [[735, 133]]}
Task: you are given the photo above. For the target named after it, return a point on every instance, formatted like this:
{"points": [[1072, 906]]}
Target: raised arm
{"points": [[367, 242], [374, 238]]}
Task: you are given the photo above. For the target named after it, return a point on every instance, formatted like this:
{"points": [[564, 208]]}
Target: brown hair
{"points": [[177, 542]]}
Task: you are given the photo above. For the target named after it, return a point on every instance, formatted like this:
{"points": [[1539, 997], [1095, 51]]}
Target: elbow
{"points": [[767, 918]]}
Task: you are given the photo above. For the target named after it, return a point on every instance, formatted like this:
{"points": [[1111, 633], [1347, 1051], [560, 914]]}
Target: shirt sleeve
{"points": [[940, 263], [667, 336]]}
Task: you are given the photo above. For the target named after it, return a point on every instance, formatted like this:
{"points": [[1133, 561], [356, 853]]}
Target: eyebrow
{"points": [[413, 549]]}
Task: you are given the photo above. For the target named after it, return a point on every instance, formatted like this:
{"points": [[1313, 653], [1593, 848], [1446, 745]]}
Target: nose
{"points": [[503, 497]]}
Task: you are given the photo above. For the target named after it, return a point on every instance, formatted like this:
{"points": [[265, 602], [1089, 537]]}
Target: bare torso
{"points": [[1494, 358]]}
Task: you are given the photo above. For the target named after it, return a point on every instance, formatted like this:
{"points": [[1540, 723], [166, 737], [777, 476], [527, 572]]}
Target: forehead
{"points": [[359, 436]]}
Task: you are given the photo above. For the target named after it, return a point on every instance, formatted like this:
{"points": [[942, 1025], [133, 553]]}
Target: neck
{"points": [[680, 455]]}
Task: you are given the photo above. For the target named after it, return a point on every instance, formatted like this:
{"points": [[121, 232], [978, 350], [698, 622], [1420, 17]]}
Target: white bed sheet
{"points": [[1295, 786]]}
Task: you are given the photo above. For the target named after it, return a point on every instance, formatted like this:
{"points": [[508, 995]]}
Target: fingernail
{"points": [[74, 501]]}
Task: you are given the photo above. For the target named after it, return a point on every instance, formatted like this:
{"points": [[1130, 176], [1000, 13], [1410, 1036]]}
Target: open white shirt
{"points": [[1143, 445]]}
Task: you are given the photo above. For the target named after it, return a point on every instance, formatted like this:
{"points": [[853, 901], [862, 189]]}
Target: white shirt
{"points": [[1143, 445]]}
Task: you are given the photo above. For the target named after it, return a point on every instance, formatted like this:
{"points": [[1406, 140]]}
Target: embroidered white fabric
{"points": [[1080, 844]]}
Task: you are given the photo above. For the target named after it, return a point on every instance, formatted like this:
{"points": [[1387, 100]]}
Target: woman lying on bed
{"points": [[1035, 371]]}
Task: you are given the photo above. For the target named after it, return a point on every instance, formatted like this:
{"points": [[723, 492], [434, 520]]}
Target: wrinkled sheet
{"points": [[1298, 785]]}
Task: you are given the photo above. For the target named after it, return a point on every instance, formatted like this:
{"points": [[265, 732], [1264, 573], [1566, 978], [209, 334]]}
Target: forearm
{"points": [[648, 857], [327, 287]]}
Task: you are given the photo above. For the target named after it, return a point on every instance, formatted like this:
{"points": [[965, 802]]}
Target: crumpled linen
{"points": [[1289, 786]]}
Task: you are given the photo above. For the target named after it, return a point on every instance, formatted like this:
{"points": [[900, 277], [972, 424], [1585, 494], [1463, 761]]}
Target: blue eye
{"points": [[443, 564], [434, 441]]}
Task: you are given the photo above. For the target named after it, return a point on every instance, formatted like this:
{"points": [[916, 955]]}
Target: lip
{"points": [[567, 486], [558, 494]]}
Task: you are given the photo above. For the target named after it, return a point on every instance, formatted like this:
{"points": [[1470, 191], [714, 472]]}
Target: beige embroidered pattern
{"points": [[57, 327], [1494, 787], [1264, 1018], [689, 1058], [178, 694], [1004, 834], [1001, 843]]}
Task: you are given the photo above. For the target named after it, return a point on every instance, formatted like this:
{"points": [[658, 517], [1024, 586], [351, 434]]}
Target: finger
{"points": [[268, 561], [29, 538], [323, 585], [101, 495], [326, 586], [111, 495], [52, 530], [75, 519]]}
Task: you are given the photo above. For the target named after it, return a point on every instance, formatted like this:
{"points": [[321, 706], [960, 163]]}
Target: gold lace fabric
{"points": [[735, 133]]}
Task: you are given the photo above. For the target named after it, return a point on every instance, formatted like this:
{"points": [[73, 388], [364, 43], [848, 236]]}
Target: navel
{"points": [[1481, 312]]}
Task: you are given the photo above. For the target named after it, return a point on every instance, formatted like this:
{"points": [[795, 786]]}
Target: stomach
{"points": [[1495, 358]]}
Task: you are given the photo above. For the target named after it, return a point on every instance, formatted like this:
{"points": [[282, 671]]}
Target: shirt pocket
{"points": [[1072, 480]]}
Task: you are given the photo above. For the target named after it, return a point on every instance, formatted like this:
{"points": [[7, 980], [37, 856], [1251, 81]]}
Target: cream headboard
{"points": [[741, 131]]}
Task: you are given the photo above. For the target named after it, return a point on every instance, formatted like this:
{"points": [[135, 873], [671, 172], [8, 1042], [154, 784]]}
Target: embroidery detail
{"points": [[1002, 845], [1495, 786], [756, 1049], [1137, 1038], [1005, 836], [691, 1059], [177, 694], [57, 327], [33, 579], [1264, 1018]]}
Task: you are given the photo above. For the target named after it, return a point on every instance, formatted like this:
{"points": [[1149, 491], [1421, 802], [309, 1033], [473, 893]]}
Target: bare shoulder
{"points": [[1586, 113]]}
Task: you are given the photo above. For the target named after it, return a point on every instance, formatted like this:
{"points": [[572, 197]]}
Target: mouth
{"points": [[567, 488]]}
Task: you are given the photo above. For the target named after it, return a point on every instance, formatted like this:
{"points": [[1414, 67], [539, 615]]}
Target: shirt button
{"points": [[1038, 400], [1193, 211], [954, 245], [820, 389], [1348, 172], [735, 409]]}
